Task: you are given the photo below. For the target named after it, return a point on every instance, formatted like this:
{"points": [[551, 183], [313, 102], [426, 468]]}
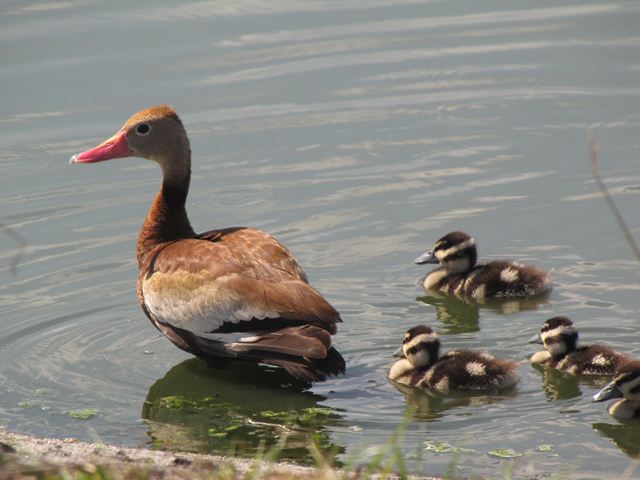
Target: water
{"points": [[358, 133]]}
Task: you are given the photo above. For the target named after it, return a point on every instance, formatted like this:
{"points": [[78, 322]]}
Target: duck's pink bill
{"points": [[115, 147]]}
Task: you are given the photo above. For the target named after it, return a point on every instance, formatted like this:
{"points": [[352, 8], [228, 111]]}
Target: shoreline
{"points": [[25, 456]]}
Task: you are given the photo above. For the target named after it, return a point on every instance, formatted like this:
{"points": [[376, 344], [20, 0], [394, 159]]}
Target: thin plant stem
{"points": [[20, 240], [594, 151]]}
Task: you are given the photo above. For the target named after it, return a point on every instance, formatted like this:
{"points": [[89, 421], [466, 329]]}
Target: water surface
{"points": [[358, 132]]}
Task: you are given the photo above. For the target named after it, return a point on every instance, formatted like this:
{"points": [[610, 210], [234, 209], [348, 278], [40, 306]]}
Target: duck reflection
{"points": [[626, 436], [559, 385], [462, 315], [427, 405], [237, 411]]}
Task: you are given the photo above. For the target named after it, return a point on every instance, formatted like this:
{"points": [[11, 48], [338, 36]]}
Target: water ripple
{"points": [[229, 8], [404, 55], [435, 22]]}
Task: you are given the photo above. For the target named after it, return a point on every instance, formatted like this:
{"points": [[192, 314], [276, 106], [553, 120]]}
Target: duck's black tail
{"points": [[304, 351]]}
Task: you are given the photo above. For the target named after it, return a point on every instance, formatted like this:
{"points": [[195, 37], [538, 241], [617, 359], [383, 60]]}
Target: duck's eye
{"points": [[143, 129]]}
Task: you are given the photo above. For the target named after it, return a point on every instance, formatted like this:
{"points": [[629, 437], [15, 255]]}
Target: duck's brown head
{"points": [[155, 133]]}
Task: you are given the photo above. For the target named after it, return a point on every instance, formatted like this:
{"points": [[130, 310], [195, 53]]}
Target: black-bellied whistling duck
{"points": [[230, 294]]}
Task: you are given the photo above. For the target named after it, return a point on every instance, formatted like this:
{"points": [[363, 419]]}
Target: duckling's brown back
{"points": [[469, 370], [592, 360]]}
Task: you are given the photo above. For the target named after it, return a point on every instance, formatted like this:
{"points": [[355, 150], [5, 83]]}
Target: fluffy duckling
{"points": [[560, 340], [459, 274], [423, 367], [625, 385]]}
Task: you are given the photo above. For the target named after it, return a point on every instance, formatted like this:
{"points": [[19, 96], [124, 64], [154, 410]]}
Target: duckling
{"points": [[459, 274], [423, 367], [626, 384], [560, 339]]}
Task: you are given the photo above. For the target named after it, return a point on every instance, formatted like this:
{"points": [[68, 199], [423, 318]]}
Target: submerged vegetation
{"points": [[191, 410], [83, 413], [210, 425]]}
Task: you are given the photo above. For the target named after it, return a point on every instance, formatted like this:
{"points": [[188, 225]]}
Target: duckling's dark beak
{"points": [[610, 391], [399, 353], [536, 339], [426, 257]]}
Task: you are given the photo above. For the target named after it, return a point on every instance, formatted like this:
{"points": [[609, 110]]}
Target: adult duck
{"points": [[222, 295]]}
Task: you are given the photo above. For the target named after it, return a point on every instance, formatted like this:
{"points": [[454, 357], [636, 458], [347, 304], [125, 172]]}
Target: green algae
{"points": [[82, 413], [504, 453]]}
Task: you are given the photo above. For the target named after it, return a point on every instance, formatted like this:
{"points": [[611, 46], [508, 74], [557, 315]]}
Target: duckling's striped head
{"points": [[626, 383], [455, 252], [421, 346], [559, 336]]}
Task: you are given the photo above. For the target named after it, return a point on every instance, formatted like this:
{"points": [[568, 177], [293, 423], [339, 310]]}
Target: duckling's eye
{"points": [[143, 129]]}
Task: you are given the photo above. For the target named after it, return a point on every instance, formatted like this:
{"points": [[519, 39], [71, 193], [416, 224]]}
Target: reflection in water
{"points": [[462, 315], [456, 314], [240, 410], [559, 385], [427, 405], [626, 436], [21, 244]]}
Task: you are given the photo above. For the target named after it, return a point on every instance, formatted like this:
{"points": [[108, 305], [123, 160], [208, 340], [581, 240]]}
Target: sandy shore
{"points": [[23, 456]]}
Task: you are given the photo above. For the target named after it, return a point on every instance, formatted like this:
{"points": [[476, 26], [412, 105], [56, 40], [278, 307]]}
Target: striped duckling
{"points": [[422, 366], [459, 274], [625, 385], [560, 340]]}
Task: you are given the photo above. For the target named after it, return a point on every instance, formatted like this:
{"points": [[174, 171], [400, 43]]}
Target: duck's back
{"points": [[230, 280], [592, 360], [255, 249], [493, 279], [469, 370]]}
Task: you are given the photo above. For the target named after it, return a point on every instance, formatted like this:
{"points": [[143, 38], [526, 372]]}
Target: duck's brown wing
{"points": [[196, 291], [198, 286], [255, 248]]}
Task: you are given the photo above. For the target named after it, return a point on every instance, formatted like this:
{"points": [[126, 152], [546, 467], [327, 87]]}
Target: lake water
{"points": [[358, 132]]}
